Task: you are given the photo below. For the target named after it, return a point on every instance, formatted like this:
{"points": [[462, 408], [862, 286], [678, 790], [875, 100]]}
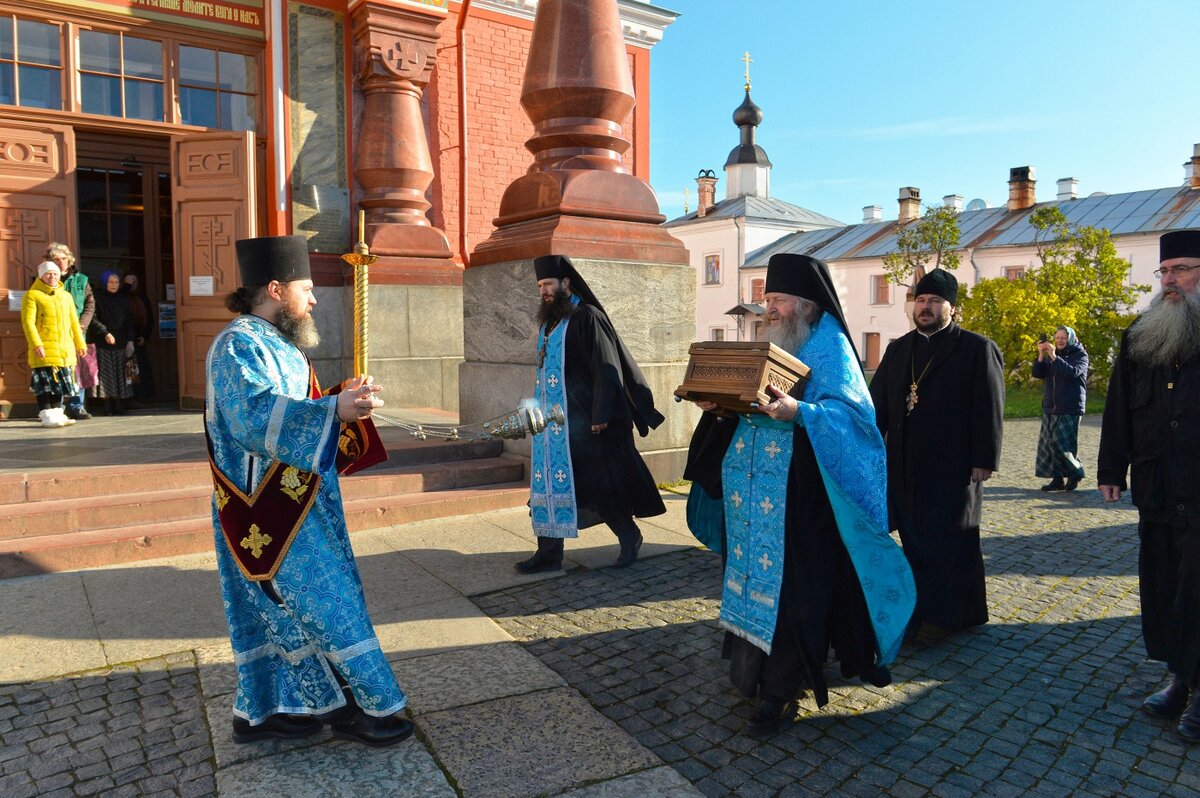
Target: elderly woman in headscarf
{"points": [[1063, 364], [55, 341], [112, 331]]}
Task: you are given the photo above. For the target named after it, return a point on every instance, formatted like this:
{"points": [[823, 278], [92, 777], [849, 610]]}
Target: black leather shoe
{"points": [[1189, 724], [548, 557], [1054, 484], [369, 730], [1072, 483], [1168, 702], [281, 726], [77, 412], [629, 552], [767, 719]]}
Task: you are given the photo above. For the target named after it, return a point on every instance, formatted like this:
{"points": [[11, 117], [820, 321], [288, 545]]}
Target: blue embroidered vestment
{"points": [[837, 413], [257, 410], [552, 506]]}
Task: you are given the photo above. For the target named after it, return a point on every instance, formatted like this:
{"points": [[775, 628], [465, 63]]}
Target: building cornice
{"points": [[641, 23]]}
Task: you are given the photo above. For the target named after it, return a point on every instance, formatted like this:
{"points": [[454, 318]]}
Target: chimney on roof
{"points": [[706, 191], [954, 201], [1068, 189], [1022, 181], [910, 204], [1194, 177], [872, 213]]}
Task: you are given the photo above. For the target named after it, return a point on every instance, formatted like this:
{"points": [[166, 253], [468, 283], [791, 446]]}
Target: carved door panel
{"points": [[213, 192], [37, 206]]}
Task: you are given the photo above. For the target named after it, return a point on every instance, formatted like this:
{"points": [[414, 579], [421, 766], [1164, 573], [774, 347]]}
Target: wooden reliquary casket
{"points": [[735, 374]]}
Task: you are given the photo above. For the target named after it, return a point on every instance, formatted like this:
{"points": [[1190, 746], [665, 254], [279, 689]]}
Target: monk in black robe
{"points": [[939, 402], [607, 397], [1152, 427]]}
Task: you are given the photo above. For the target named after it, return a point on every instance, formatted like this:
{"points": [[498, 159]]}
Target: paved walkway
{"points": [[604, 682]]}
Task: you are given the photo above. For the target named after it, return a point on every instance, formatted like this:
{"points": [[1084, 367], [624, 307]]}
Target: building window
{"points": [[712, 269], [756, 290], [121, 75], [716, 334], [881, 290], [218, 89], [30, 64], [1014, 272]]}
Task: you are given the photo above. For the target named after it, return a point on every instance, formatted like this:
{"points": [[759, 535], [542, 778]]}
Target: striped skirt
{"points": [[111, 382]]}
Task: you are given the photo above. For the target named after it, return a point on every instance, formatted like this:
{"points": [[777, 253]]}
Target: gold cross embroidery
{"points": [[741, 444], [738, 551], [736, 498], [773, 449], [766, 505], [255, 541], [765, 561]]}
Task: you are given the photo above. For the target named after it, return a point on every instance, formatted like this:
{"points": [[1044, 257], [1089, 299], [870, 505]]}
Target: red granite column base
{"points": [[580, 237]]}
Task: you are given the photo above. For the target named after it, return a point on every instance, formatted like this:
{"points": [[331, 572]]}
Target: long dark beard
{"points": [[1168, 332], [553, 312], [789, 334], [299, 328]]}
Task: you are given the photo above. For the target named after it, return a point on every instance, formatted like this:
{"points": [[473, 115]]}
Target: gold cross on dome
{"points": [[748, 61], [255, 541]]}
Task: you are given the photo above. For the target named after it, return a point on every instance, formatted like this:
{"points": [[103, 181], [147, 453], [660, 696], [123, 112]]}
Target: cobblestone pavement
{"points": [[136, 730], [1044, 700]]}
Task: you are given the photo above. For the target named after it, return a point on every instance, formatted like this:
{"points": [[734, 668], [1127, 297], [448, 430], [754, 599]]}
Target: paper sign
{"points": [[14, 300], [200, 285]]}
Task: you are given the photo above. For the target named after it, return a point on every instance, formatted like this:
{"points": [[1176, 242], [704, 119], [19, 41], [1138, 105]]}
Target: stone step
{"points": [[59, 516], [96, 547]]}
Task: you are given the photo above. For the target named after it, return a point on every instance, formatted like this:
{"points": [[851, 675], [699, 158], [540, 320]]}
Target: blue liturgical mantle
{"points": [[839, 418]]}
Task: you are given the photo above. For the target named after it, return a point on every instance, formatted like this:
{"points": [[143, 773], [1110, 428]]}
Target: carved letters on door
{"points": [[214, 196]]}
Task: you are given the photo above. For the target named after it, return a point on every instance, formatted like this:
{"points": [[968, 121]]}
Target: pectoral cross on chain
{"points": [[912, 398]]}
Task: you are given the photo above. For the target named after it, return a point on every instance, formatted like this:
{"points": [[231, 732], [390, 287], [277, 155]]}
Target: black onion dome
{"points": [[747, 113]]}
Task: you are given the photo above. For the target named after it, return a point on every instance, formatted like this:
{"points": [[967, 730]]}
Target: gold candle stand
{"points": [[360, 259]]}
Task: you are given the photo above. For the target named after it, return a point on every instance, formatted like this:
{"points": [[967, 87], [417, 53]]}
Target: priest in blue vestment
{"points": [[304, 648], [586, 471], [799, 491]]}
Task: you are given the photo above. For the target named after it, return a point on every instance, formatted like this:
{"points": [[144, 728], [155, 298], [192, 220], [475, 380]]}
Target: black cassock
{"points": [[604, 385], [955, 426], [1151, 430]]}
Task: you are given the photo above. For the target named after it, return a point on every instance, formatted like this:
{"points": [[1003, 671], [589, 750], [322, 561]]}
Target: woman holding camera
{"points": [[1063, 364]]}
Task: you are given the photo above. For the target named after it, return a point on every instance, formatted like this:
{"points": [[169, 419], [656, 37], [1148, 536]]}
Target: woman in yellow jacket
{"points": [[52, 332]]}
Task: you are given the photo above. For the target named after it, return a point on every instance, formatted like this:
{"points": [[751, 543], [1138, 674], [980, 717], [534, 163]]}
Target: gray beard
{"points": [[300, 329], [789, 334], [1167, 333]]}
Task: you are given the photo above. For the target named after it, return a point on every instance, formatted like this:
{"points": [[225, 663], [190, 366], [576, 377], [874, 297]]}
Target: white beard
{"points": [[1167, 333], [789, 334]]}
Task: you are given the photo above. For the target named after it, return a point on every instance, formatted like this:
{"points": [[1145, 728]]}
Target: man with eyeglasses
{"points": [[1152, 424]]}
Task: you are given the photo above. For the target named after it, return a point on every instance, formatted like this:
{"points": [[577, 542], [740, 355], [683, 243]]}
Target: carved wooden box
{"points": [[735, 374]]}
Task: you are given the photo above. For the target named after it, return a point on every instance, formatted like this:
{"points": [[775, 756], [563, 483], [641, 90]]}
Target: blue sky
{"points": [[862, 98]]}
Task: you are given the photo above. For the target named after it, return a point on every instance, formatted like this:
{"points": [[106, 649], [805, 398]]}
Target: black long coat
{"points": [[956, 426], [604, 386], [1152, 429]]}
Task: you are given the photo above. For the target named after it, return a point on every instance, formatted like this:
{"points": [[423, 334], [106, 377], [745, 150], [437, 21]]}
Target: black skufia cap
{"points": [[282, 258], [939, 282], [1179, 244]]}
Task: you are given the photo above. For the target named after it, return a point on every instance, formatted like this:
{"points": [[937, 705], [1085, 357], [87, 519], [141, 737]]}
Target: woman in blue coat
{"points": [[1063, 364]]}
